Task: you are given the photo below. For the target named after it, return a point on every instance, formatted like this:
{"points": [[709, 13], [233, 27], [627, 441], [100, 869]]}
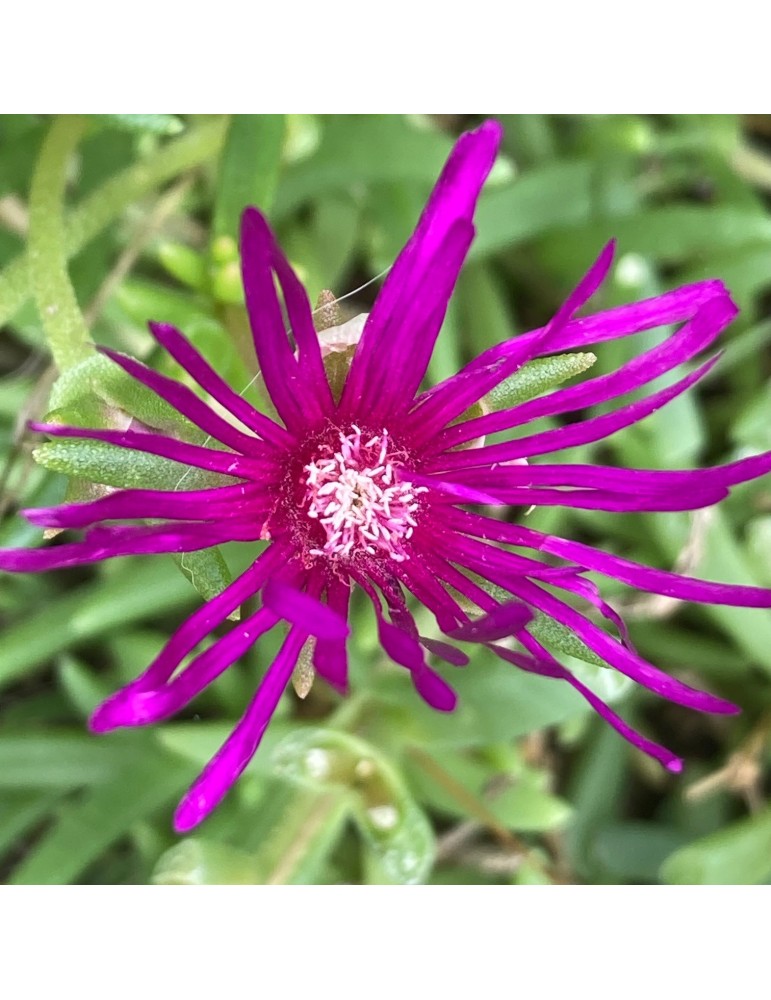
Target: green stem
{"points": [[109, 201], [49, 279]]}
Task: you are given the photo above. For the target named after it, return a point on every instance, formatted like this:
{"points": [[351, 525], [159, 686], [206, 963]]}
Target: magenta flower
{"points": [[374, 489]]}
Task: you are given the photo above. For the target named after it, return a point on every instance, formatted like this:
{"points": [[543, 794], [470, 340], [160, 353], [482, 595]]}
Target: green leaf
{"points": [[58, 760], [526, 808], [249, 169], [135, 590], [87, 826], [670, 234], [208, 572], [98, 377], [83, 689], [536, 377], [634, 851], [111, 465], [395, 830], [21, 810], [157, 124], [195, 861], [740, 854], [559, 637]]}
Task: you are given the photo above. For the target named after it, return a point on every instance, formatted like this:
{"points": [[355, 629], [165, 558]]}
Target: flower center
{"points": [[353, 493]]}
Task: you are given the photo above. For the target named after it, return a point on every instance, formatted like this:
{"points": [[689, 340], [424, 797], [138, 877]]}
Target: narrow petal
{"points": [[401, 642], [230, 760], [202, 623], [634, 574], [546, 666], [582, 432], [503, 621], [434, 690], [293, 399], [391, 332], [198, 505], [623, 321], [441, 408], [301, 322], [451, 654], [180, 348], [642, 369], [132, 540], [329, 657], [304, 611], [186, 402], [583, 499], [651, 481], [138, 706], [418, 579], [453, 492], [605, 646], [405, 345]]}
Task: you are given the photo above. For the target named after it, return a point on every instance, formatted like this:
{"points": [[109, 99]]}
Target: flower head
{"points": [[378, 485]]}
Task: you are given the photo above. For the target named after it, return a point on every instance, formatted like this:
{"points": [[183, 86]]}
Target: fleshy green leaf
{"points": [[100, 378], [195, 861], [739, 854], [395, 830], [536, 377], [110, 465], [208, 572], [86, 826]]}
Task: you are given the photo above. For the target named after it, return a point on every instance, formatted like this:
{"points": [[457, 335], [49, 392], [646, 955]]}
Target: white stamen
{"points": [[353, 492]]}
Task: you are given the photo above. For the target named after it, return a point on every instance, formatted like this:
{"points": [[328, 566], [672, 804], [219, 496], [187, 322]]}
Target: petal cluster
{"points": [[380, 488]]}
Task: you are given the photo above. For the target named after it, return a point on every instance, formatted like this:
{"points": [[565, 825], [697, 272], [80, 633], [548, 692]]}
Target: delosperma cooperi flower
{"points": [[379, 486]]}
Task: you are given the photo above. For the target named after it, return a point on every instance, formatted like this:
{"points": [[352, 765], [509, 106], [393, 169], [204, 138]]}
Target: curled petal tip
{"points": [[675, 765]]}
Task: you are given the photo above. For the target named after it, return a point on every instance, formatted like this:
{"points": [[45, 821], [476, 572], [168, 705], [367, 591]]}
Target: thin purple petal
{"points": [[201, 624], [394, 331], [503, 621], [295, 401], [642, 369], [230, 760], [199, 505], [582, 432], [546, 666], [180, 348], [605, 646], [138, 706], [634, 574], [441, 408], [186, 402], [623, 321], [304, 611], [329, 657], [623, 480], [445, 651]]}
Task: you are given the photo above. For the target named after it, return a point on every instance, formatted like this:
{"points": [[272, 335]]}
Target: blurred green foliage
{"points": [[114, 220]]}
